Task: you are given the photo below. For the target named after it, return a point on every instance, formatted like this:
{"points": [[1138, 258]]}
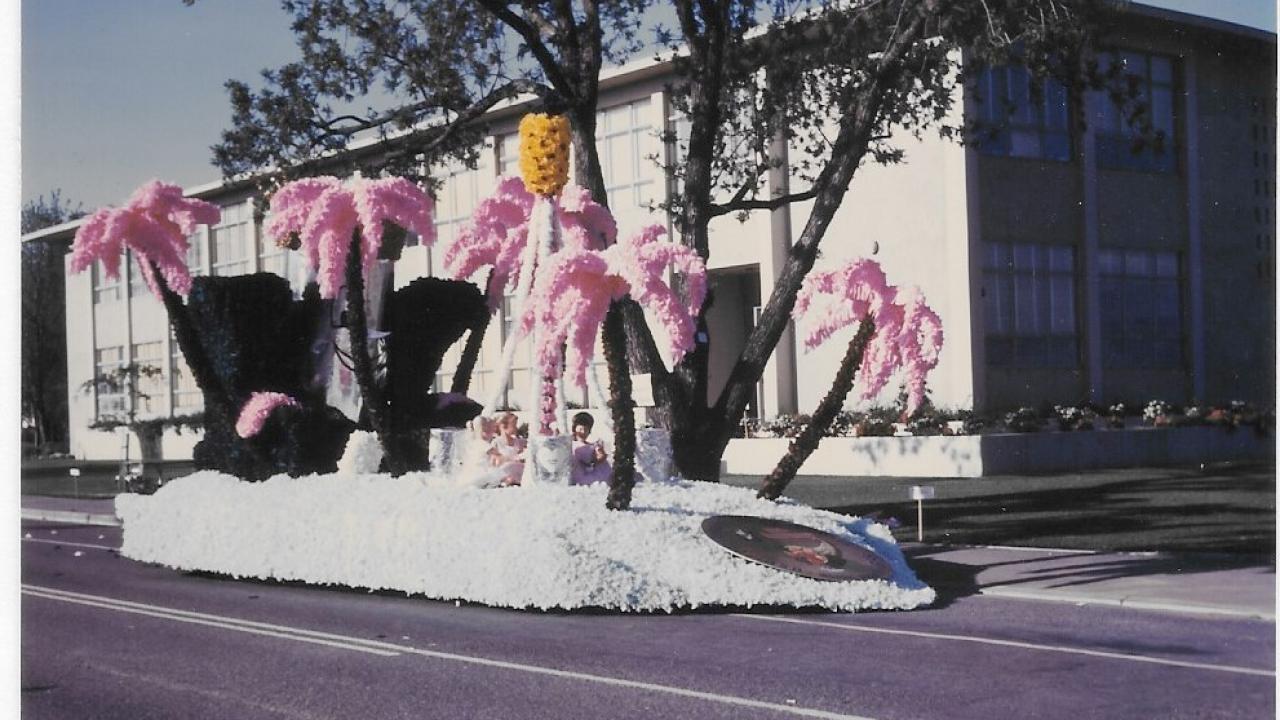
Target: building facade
{"points": [[1065, 266]]}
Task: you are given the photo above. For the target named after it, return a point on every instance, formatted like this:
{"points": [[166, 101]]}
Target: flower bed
{"points": [[535, 547], [1005, 453]]}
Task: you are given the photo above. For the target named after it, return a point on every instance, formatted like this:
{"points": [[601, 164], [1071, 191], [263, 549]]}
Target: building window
{"points": [[137, 284], [187, 397], [111, 398], [105, 290], [272, 258], [462, 188], [1015, 122], [149, 395], [626, 140], [1030, 305], [1141, 308], [508, 152], [1121, 144], [229, 241], [195, 253], [519, 384]]}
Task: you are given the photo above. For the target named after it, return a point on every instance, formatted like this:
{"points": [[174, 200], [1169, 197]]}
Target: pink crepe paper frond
{"points": [[325, 213], [496, 237], [153, 225], [908, 335], [290, 209], [498, 233], [395, 200], [257, 409], [584, 223], [921, 343], [573, 296]]}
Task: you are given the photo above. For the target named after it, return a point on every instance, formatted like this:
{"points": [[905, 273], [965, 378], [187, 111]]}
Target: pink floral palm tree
{"points": [[497, 237], [153, 226], [328, 217], [573, 296], [339, 227], [890, 337], [498, 233], [576, 295]]}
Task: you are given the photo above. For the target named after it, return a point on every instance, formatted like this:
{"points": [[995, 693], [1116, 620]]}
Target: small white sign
{"points": [[74, 472], [921, 492]]}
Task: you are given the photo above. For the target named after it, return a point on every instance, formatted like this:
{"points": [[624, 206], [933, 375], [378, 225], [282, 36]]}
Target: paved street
{"points": [[105, 637]]}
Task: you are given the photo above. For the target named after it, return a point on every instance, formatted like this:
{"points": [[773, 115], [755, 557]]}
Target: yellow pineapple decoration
{"points": [[544, 153]]}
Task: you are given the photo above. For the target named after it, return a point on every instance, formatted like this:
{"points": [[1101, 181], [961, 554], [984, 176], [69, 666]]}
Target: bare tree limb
{"points": [[534, 39], [741, 205]]}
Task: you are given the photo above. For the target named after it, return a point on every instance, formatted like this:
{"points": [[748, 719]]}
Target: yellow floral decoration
{"points": [[544, 153]]}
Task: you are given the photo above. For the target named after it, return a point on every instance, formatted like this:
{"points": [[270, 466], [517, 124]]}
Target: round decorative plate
{"points": [[796, 549]]}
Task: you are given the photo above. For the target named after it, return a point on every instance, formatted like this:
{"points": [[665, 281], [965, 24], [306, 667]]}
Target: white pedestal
{"points": [[550, 460], [654, 461]]}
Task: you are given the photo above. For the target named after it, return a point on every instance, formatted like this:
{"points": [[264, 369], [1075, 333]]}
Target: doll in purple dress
{"points": [[590, 462]]}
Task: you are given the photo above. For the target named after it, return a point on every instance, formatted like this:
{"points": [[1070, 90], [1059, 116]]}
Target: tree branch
{"points": [[828, 191], [424, 140], [533, 38], [740, 205]]}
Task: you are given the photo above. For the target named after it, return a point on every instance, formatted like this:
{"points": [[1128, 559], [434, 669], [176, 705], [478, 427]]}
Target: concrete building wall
{"points": [[911, 218], [1213, 211], [1236, 92], [80, 344]]}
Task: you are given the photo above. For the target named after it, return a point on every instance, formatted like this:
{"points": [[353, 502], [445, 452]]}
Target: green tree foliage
{"points": [[44, 345], [838, 80]]}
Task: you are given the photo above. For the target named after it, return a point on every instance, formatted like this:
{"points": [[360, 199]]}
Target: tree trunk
{"points": [[696, 454], [807, 441], [621, 410], [358, 332]]}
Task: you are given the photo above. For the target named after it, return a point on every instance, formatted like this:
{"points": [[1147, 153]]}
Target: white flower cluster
{"points": [[362, 456], [1155, 409]]}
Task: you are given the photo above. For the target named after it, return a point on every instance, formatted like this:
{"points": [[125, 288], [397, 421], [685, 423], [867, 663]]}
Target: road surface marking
{"points": [[385, 648], [69, 544], [637, 685], [180, 616], [1018, 644]]}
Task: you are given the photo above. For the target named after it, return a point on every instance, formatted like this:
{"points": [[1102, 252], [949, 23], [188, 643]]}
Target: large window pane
{"points": [[1029, 305], [1142, 309], [1119, 143], [229, 241], [1013, 121]]}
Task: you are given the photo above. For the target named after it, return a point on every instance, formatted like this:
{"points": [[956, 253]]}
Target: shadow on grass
{"points": [[1231, 512]]}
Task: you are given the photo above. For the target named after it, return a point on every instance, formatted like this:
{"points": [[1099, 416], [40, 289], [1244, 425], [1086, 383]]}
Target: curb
{"points": [[1131, 604], [68, 516]]}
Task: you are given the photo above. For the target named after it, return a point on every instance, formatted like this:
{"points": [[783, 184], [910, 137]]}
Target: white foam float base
{"points": [[532, 547]]}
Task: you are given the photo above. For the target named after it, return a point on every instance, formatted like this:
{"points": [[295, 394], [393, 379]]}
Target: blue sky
{"points": [[115, 93]]}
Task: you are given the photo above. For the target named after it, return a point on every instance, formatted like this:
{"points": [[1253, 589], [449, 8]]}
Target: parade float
{"points": [[328, 460]]}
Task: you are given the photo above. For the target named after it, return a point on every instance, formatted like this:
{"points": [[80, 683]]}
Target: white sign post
{"points": [[920, 493], [75, 481]]}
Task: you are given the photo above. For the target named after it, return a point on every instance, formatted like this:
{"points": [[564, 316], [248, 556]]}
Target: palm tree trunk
{"points": [[471, 351], [198, 362], [358, 331], [807, 441], [620, 409]]}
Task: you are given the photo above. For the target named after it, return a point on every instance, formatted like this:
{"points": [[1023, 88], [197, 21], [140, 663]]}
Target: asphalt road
{"points": [[105, 637]]}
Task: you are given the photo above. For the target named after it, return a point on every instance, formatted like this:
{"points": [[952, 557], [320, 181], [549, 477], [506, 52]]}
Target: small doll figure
{"points": [[590, 461]]}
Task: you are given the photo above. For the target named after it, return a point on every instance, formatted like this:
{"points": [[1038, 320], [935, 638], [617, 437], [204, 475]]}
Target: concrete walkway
{"points": [[1226, 585], [1223, 585]]}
